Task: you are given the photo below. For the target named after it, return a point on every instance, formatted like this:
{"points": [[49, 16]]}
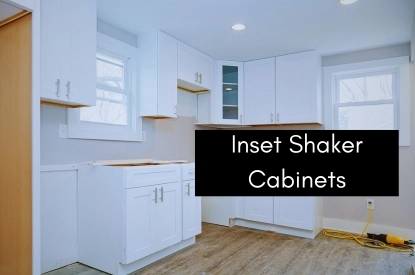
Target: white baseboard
{"points": [[357, 228]]}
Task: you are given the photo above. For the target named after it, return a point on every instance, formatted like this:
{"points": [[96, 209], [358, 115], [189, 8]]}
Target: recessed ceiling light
{"points": [[346, 2], [238, 27]]}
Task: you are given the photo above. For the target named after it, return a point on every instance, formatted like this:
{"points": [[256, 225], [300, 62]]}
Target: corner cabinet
{"points": [[68, 45], [228, 93], [131, 216], [157, 75]]}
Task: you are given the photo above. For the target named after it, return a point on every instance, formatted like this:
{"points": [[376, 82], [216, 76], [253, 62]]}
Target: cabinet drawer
{"points": [[188, 171], [151, 175]]}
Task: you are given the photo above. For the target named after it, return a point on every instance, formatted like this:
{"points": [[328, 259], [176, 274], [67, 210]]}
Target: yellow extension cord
{"points": [[366, 241]]}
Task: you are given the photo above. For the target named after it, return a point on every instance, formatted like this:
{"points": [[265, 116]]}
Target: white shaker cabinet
{"points": [[297, 216], [192, 212], [157, 75], [130, 216], [298, 88], [195, 69], [259, 209], [297, 212], [68, 47], [153, 219], [259, 92]]}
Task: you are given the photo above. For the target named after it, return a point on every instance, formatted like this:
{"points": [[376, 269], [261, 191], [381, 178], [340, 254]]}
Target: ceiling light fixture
{"points": [[238, 27], [346, 2], [228, 89]]}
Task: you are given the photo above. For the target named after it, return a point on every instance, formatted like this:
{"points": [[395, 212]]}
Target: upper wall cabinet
{"points": [[298, 88], [195, 69], [68, 52], [157, 75], [228, 93], [259, 92]]}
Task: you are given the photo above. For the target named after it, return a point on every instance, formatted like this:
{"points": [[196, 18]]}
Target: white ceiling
{"points": [[7, 10], [274, 27]]}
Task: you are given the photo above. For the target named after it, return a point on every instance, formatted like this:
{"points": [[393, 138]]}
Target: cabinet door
{"points": [[259, 209], [51, 47], [192, 220], [80, 54], [204, 65], [298, 88], [259, 92], [297, 212], [167, 75], [140, 223], [169, 215], [185, 63], [229, 88]]}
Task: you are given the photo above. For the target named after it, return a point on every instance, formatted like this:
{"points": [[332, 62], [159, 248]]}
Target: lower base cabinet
{"points": [[297, 216], [131, 216]]}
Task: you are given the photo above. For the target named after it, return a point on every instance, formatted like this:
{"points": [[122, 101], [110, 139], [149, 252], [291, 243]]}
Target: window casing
{"points": [[115, 115], [382, 105]]}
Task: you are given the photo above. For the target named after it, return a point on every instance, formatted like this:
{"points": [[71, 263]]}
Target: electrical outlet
{"points": [[63, 131], [370, 203]]}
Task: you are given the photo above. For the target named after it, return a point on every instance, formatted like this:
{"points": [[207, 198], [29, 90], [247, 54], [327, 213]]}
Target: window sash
{"points": [[367, 73]]}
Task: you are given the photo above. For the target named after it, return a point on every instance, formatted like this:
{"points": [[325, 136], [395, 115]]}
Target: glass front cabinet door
{"points": [[229, 87]]}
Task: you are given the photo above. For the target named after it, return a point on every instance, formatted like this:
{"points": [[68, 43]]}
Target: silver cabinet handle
{"points": [[68, 89], [197, 77], [240, 118], [188, 189], [161, 190], [200, 77], [155, 195], [278, 117], [272, 117], [175, 110], [58, 85]]}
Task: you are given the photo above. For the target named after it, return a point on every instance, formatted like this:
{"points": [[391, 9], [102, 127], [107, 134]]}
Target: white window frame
{"points": [[103, 131], [399, 66]]}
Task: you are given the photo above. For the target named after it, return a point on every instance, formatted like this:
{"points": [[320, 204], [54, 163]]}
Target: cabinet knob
{"points": [[57, 87]]}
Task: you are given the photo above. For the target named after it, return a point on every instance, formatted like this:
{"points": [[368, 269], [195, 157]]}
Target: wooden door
{"points": [[16, 146]]}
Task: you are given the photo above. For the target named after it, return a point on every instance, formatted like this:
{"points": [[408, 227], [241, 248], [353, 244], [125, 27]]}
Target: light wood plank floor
{"points": [[238, 250]]}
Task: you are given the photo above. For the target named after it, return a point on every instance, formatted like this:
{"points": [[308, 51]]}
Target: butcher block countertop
{"points": [[135, 162]]}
